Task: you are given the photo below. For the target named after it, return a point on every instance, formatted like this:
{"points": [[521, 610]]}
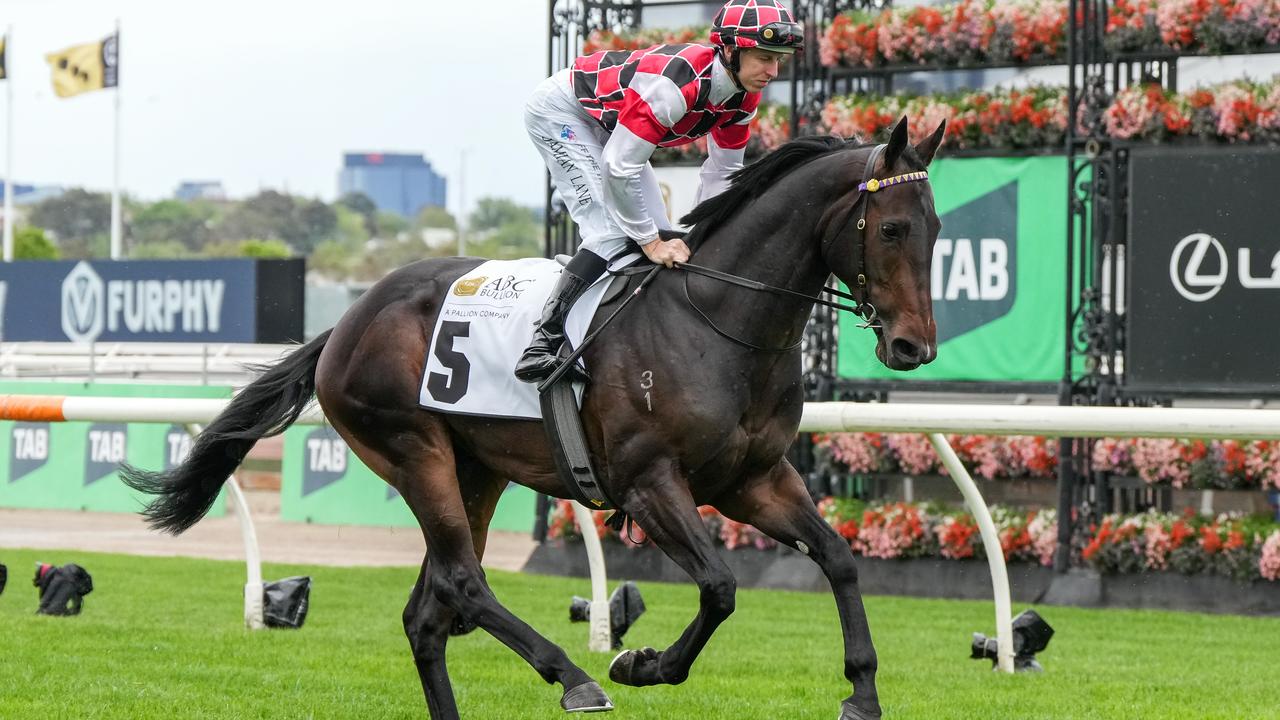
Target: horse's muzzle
{"points": [[904, 353]]}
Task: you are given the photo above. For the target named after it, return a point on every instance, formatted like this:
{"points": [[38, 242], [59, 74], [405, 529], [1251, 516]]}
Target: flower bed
{"points": [[973, 33], [641, 38], [1238, 111], [1241, 548], [1035, 118], [1216, 464], [1211, 27], [963, 34], [1212, 465], [987, 456], [1029, 118]]}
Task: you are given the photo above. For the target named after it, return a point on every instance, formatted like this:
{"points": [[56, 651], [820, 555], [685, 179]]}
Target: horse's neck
{"points": [[785, 258]]}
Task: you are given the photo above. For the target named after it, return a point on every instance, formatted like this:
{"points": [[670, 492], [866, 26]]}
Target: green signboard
{"points": [[998, 279], [72, 466], [322, 481]]}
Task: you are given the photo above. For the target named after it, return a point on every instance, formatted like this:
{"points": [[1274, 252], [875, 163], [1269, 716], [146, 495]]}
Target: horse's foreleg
{"points": [[778, 504], [668, 515]]}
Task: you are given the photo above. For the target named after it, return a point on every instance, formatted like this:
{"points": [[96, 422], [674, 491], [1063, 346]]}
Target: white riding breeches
{"points": [[571, 143]]}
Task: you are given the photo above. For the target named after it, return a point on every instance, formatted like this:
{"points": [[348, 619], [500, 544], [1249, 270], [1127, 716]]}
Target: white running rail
{"points": [[930, 419]]}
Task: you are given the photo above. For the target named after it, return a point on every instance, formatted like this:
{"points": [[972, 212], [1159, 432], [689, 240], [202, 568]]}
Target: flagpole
{"points": [[8, 153], [116, 239]]}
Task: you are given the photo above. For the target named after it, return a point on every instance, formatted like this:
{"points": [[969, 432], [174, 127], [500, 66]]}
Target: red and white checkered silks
{"points": [[746, 16], [662, 94]]}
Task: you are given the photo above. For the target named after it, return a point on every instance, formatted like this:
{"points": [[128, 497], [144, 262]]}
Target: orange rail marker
{"points": [[32, 408]]}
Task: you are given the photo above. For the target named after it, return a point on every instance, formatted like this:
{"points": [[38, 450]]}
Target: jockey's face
{"points": [[758, 67]]}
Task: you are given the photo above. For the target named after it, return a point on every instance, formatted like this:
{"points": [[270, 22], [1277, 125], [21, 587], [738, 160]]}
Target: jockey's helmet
{"points": [[766, 24]]}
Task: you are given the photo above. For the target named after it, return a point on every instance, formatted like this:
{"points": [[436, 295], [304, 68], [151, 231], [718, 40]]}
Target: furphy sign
{"points": [[1203, 269], [90, 306], [152, 301], [996, 280]]}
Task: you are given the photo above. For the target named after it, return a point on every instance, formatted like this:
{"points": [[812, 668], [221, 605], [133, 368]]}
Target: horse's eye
{"points": [[889, 231]]}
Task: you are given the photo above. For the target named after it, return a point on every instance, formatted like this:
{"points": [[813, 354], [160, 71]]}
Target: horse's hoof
{"points": [[849, 712], [587, 697], [636, 668]]}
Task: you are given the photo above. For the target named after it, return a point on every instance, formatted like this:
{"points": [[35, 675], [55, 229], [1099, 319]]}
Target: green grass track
{"points": [[163, 638]]}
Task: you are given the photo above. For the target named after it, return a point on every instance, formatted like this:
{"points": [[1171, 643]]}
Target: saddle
{"points": [[560, 409]]}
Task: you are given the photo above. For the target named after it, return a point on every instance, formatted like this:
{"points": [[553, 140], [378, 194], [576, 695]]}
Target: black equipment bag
{"points": [[284, 602], [62, 589]]}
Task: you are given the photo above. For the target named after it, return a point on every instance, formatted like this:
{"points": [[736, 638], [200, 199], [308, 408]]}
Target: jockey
{"points": [[597, 122]]}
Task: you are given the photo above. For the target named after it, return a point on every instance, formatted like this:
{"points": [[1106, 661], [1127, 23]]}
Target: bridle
{"points": [[862, 307]]}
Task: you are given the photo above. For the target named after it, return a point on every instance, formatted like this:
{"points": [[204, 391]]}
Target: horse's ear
{"points": [[897, 143], [929, 146]]}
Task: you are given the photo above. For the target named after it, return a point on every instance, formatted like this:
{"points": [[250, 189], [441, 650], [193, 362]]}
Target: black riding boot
{"points": [[540, 358]]}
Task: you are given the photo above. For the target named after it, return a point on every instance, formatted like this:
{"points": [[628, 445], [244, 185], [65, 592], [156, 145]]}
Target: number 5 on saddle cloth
{"points": [[482, 328]]}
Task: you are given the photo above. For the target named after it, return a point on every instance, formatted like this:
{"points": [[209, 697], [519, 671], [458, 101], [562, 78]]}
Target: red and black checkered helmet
{"points": [[765, 24]]}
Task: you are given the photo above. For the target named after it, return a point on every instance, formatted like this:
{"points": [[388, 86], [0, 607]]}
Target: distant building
{"points": [[398, 183], [200, 190], [31, 194]]}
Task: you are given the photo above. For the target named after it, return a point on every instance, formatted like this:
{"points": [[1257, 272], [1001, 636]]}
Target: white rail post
{"points": [[253, 585], [991, 542], [601, 635]]}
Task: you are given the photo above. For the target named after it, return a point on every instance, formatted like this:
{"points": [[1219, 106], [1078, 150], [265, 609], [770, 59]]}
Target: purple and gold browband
{"points": [[873, 185]]}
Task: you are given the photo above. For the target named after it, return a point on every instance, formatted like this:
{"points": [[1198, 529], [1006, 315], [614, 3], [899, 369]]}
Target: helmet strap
{"points": [[734, 64]]}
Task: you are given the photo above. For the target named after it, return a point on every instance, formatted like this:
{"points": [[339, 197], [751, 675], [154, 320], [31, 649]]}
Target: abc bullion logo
{"points": [[505, 288], [468, 287]]}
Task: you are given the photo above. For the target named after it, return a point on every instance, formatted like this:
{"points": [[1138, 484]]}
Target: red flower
{"points": [[1179, 533], [1209, 539]]}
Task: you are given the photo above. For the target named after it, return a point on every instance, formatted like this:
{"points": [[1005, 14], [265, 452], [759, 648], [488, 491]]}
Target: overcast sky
{"points": [[270, 93]]}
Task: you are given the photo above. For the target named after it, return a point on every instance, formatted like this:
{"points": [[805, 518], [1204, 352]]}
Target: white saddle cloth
{"points": [[487, 321]]}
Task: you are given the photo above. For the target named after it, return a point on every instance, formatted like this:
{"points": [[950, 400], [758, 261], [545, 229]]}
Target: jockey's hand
{"points": [[666, 252]]}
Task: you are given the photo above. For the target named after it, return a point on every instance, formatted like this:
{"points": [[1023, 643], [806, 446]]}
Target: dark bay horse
{"points": [[696, 394]]}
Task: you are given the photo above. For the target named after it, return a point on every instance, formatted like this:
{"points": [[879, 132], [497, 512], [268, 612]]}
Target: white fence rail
{"points": [[930, 419], [162, 362]]}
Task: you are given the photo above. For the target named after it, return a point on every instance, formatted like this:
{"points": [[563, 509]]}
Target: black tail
{"points": [[266, 407]]}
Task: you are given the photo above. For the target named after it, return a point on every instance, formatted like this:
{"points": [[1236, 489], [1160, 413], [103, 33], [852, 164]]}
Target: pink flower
{"points": [[915, 453], [1158, 459], [1044, 533], [1269, 563], [1157, 546], [860, 452]]}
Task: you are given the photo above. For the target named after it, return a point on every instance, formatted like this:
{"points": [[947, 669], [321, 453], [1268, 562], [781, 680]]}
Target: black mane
{"points": [[751, 181]]}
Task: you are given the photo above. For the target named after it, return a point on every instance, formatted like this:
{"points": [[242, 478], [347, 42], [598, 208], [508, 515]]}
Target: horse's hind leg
{"points": [[778, 504], [421, 465], [663, 507], [428, 622]]}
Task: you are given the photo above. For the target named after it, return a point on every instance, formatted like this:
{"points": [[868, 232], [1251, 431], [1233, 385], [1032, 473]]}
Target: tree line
{"points": [[349, 239]]}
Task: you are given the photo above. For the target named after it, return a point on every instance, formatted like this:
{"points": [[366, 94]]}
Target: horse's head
{"points": [[880, 243]]}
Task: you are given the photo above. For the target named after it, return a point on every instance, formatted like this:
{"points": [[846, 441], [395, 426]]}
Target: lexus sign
{"points": [[1204, 272]]}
